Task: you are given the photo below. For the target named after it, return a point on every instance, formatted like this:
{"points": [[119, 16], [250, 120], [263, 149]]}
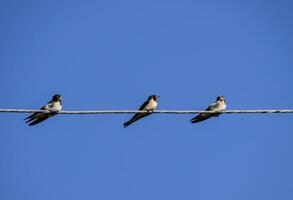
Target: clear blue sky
{"points": [[112, 55]]}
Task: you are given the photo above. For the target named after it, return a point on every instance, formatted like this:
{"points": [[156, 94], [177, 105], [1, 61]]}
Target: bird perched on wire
{"points": [[149, 105], [54, 106], [218, 106]]}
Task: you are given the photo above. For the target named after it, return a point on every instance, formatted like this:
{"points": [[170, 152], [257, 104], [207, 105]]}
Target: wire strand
{"points": [[138, 111]]}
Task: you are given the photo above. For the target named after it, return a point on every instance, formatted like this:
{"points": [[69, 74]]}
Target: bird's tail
{"points": [[196, 120], [127, 124], [200, 117], [133, 119], [36, 121], [136, 117]]}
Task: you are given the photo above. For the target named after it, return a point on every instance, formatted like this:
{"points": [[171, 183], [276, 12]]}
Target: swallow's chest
{"points": [[56, 106], [221, 106], [151, 105]]}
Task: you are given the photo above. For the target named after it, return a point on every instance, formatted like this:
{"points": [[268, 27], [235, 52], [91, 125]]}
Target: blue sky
{"points": [[112, 55]]}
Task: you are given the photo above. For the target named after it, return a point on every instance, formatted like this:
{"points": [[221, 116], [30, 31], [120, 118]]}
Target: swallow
{"points": [[218, 106], [149, 105], [54, 106]]}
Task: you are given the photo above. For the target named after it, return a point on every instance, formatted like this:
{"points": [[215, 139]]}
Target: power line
{"points": [[137, 111]]}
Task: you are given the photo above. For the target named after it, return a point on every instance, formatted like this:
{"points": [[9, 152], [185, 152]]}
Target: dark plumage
{"points": [[149, 105], [218, 106], [54, 106]]}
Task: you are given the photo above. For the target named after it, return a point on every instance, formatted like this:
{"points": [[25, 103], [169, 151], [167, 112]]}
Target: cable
{"points": [[137, 111]]}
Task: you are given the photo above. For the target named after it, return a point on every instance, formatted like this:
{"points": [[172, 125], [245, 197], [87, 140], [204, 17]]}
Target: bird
{"points": [[54, 106], [149, 105], [218, 106]]}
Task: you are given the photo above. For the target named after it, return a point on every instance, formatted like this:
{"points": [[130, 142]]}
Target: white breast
{"points": [[56, 106], [152, 105], [221, 106]]}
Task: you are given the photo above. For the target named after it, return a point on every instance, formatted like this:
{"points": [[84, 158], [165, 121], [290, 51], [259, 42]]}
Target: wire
{"points": [[138, 111]]}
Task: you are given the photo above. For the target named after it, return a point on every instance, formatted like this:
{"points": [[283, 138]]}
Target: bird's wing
{"points": [[34, 114], [211, 107], [203, 116], [138, 116], [35, 121], [142, 107]]}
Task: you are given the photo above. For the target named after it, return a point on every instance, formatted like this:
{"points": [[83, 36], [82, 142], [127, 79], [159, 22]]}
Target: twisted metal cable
{"points": [[138, 111]]}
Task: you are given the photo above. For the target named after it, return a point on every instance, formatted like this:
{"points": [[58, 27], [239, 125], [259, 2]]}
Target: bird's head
{"points": [[221, 98], [153, 97], [57, 97]]}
